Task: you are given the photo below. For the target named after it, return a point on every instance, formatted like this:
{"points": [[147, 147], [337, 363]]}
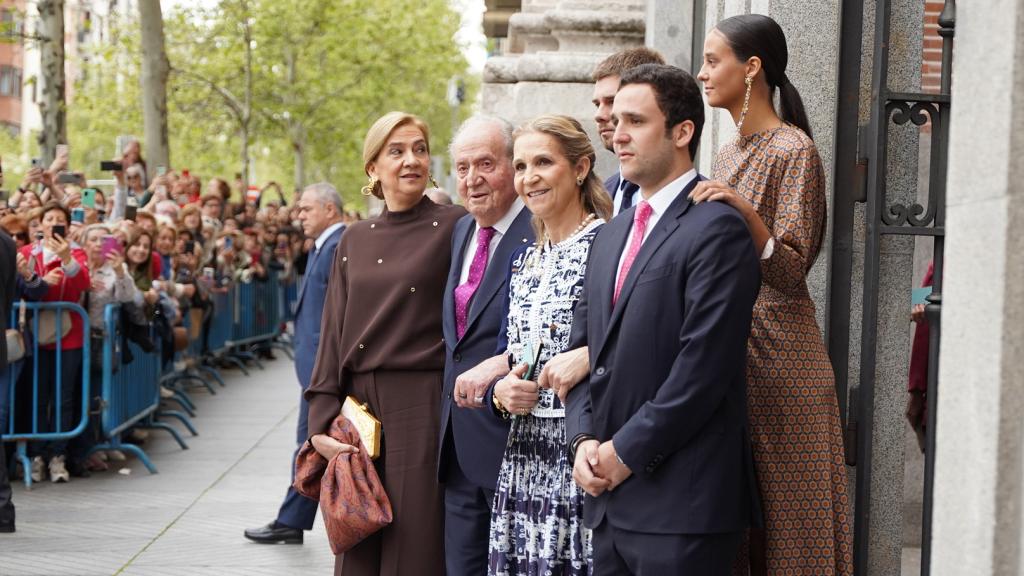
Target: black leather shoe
{"points": [[6, 527], [275, 533]]}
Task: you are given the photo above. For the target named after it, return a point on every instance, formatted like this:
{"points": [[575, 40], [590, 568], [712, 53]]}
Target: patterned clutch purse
{"points": [[365, 423]]}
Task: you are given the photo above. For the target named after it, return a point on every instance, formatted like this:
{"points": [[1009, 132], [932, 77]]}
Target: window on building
{"points": [[10, 25], [10, 81]]}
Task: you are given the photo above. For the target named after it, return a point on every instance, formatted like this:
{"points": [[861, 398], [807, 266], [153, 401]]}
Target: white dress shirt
{"points": [[322, 238], [659, 201], [500, 229]]}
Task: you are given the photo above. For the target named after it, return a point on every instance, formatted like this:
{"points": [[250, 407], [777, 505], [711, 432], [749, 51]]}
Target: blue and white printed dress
{"points": [[537, 515]]}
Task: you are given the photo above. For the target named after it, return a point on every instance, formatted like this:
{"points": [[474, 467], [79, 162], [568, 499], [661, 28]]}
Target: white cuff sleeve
{"points": [[769, 249]]}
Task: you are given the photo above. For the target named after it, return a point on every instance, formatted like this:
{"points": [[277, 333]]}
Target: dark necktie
{"points": [[627, 189]]}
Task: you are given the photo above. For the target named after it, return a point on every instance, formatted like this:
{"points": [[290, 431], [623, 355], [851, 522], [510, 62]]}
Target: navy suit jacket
{"points": [[612, 184], [310, 307], [667, 381], [477, 436]]}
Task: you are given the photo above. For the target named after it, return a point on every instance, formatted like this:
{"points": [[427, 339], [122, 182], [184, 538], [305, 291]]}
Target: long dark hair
{"points": [[752, 35]]}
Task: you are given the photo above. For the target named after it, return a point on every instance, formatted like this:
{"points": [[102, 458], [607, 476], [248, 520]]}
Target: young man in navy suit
{"points": [[659, 429], [606, 84], [472, 437], [320, 211]]}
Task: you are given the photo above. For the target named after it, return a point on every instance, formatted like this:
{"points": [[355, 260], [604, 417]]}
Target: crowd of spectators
{"points": [[159, 242]]}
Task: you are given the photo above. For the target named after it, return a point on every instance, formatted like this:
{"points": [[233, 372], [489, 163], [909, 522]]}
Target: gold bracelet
{"points": [[497, 404]]}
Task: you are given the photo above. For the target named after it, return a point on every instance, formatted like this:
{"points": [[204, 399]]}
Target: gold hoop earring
{"points": [[746, 105], [432, 181], [370, 186]]}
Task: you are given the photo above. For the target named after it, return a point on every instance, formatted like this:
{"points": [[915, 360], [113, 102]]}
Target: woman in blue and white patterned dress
{"points": [[537, 515]]}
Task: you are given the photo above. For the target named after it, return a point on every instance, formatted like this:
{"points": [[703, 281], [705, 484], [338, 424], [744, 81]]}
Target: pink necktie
{"points": [[640, 219], [464, 292]]}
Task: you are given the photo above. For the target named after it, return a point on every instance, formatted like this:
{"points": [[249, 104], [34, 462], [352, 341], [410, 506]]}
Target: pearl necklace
{"points": [[586, 222], [535, 258]]}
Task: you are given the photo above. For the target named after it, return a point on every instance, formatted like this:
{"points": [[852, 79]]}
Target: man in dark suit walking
{"points": [[320, 211], [659, 429], [606, 84], [472, 438], [8, 287]]}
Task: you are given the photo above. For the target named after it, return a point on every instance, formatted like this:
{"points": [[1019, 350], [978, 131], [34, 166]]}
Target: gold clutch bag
{"points": [[367, 426]]}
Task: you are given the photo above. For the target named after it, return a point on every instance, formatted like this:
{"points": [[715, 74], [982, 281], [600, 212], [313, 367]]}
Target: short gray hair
{"points": [[325, 193], [98, 226], [475, 121]]}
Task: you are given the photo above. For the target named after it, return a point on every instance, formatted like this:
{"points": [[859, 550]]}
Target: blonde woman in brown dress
{"points": [[381, 342], [773, 175]]}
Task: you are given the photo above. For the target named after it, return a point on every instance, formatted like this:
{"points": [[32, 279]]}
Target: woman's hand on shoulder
{"points": [[329, 447], [714, 191]]}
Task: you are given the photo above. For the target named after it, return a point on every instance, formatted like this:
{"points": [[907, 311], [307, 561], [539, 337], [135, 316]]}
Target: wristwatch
{"points": [[497, 404]]}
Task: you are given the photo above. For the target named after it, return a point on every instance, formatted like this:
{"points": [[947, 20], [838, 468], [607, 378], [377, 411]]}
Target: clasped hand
{"points": [[597, 467]]}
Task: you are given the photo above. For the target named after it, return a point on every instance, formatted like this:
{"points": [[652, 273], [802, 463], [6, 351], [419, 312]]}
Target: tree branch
{"points": [[224, 93]]}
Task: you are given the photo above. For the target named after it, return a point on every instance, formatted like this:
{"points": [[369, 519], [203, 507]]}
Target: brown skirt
{"points": [[408, 406]]}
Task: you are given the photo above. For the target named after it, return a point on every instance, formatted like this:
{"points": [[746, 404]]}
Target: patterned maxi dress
{"points": [[793, 410], [537, 516]]}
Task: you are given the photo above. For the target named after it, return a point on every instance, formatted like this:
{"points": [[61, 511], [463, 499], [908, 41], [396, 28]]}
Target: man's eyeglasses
{"points": [[20, 236]]}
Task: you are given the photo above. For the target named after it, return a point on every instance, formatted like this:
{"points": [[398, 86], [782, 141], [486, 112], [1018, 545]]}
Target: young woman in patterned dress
{"points": [[773, 175], [537, 516]]}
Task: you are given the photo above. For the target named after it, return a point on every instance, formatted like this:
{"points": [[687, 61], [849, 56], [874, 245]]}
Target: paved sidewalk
{"points": [[188, 519]]}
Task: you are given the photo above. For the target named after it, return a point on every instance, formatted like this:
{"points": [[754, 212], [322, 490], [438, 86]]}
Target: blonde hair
{"points": [[377, 137], [575, 145]]}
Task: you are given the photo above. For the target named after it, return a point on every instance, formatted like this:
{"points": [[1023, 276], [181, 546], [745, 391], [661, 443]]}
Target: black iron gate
{"points": [[860, 177]]}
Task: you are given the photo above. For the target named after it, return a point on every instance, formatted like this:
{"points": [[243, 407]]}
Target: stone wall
{"points": [[553, 47]]}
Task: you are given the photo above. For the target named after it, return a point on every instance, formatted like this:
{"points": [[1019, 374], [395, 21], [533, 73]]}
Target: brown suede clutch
{"points": [[351, 495]]}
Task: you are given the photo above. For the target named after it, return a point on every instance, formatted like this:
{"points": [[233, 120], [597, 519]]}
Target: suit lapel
{"points": [[497, 268], [666, 225], [310, 271], [603, 268], [314, 262], [463, 237]]}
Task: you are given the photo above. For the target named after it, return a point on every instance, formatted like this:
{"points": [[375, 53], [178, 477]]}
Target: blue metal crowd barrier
{"points": [[190, 361], [244, 317], [258, 316], [41, 431], [130, 391]]}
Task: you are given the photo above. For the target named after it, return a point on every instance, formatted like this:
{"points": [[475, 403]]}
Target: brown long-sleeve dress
{"points": [[794, 413], [381, 341]]}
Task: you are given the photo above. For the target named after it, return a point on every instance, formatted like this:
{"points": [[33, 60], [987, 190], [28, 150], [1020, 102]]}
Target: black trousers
{"points": [[6, 505], [58, 412], [618, 552], [467, 522]]}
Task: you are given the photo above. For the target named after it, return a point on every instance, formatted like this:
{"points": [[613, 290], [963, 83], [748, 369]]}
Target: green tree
{"points": [[288, 86]]}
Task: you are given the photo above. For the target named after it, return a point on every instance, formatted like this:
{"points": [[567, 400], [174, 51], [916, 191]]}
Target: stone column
{"points": [[553, 49], [978, 525], [670, 29]]}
